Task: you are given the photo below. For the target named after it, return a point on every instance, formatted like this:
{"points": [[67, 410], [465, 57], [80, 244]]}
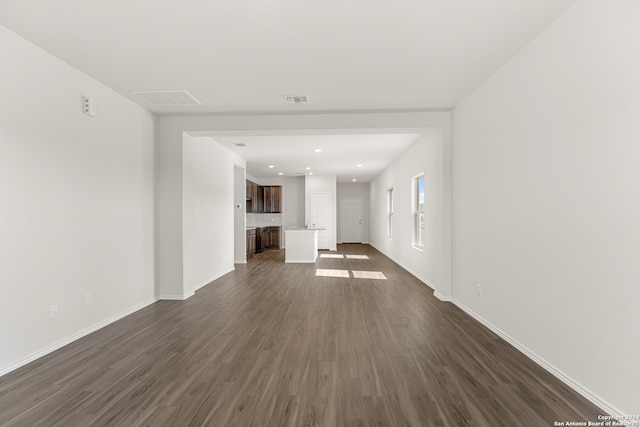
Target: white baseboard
{"points": [[576, 386], [75, 337], [170, 297], [413, 273], [441, 297]]}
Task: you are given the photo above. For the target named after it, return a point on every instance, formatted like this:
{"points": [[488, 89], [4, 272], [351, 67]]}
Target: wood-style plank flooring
{"points": [[271, 344]]}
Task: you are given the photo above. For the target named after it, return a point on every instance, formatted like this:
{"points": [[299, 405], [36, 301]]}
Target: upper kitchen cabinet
{"points": [[272, 199], [254, 197], [263, 199]]}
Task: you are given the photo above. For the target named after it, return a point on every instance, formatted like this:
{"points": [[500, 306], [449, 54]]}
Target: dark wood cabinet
{"points": [[251, 242], [272, 199], [274, 237], [276, 197], [263, 198], [254, 197], [262, 238], [266, 197]]}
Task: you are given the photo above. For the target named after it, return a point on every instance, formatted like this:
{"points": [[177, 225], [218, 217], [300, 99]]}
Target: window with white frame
{"points": [[390, 213], [418, 211]]}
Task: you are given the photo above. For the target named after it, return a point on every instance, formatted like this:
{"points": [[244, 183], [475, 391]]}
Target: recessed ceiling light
{"points": [[280, 173], [359, 165], [308, 167], [271, 166], [354, 180], [310, 173], [317, 150]]}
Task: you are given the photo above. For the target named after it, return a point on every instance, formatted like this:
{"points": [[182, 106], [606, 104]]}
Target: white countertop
{"points": [[300, 228]]}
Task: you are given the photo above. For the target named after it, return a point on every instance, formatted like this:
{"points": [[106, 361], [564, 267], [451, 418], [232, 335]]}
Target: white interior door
{"points": [[351, 220], [320, 217]]}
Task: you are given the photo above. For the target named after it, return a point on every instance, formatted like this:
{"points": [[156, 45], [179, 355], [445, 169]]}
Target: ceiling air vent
{"points": [[166, 97], [240, 144], [296, 99]]}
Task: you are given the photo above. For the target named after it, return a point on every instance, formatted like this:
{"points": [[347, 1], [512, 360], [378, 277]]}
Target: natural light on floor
{"points": [[341, 256], [368, 275], [345, 273], [332, 273]]}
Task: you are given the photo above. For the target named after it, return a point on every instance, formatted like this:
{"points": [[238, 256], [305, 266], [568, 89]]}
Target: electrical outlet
{"points": [[478, 289], [54, 311], [87, 299]]}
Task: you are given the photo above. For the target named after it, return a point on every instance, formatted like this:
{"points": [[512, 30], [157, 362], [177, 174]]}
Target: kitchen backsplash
{"points": [[263, 219]]}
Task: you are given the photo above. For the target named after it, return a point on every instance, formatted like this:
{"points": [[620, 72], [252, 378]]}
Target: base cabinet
{"points": [[263, 234], [262, 238], [251, 242], [274, 237]]}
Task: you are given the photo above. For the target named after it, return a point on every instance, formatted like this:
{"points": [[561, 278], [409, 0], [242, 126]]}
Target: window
{"points": [[418, 211], [390, 213]]}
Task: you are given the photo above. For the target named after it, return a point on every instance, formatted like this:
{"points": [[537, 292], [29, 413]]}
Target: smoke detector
{"points": [[296, 99]]}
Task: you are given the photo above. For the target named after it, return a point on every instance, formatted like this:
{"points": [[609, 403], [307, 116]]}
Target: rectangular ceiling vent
{"points": [[166, 97], [240, 144], [296, 99]]}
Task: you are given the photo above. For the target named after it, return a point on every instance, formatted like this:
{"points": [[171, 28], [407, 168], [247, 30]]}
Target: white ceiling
{"points": [[243, 56], [341, 154]]}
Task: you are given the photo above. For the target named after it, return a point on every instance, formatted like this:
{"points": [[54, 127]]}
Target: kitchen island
{"points": [[301, 245]]}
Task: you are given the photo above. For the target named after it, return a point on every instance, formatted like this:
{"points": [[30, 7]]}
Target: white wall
{"points": [[293, 206], [547, 201], [355, 191], [323, 184], [208, 212], [77, 204], [424, 156]]}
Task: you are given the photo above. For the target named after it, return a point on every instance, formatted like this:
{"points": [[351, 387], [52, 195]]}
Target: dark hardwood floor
{"points": [[271, 344]]}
